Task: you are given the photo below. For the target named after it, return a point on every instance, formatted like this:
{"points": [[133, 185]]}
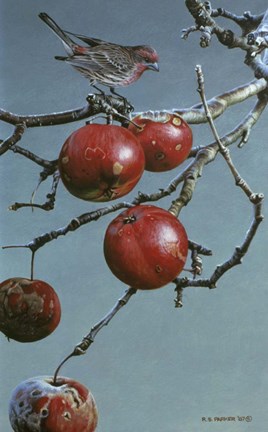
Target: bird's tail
{"points": [[67, 42]]}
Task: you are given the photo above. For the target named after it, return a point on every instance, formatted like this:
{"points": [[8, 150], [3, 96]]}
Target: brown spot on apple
{"points": [[174, 250], [158, 268], [176, 121], [141, 127], [117, 168], [160, 156], [178, 147], [65, 160]]}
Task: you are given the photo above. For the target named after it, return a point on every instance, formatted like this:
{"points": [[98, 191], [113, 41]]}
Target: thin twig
{"points": [[13, 139], [255, 199], [83, 346], [51, 196], [73, 225], [223, 150], [49, 166]]}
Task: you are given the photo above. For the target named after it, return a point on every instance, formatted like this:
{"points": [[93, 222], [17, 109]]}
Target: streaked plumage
{"points": [[103, 62]]}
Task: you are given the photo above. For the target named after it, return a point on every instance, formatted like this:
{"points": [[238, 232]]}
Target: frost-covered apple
{"points": [[40, 405]]}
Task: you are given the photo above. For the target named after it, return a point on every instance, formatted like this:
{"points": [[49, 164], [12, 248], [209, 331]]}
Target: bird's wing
{"points": [[83, 62], [107, 58], [88, 40]]}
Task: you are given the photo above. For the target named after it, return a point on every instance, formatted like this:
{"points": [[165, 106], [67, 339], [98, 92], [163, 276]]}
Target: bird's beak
{"points": [[153, 66]]}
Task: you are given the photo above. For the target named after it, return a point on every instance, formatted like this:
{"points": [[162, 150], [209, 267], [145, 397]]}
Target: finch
{"points": [[103, 62]]}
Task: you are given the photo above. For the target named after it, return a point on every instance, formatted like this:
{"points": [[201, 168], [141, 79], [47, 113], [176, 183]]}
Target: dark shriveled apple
{"points": [[29, 309]]}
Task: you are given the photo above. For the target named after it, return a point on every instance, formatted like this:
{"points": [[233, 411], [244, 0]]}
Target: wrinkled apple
{"points": [[40, 405], [29, 309]]}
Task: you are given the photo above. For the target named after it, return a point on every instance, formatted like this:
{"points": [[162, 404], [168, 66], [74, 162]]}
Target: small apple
{"points": [[166, 140], [40, 405], [29, 309], [101, 162], [145, 247]]}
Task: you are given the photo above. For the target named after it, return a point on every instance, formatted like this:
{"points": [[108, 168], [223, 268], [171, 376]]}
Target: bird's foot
{"points": [[128, 107]]}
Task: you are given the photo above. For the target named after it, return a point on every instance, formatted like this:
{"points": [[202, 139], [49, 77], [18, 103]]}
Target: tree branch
{"points": [[255, 199], [73, 225], [217, 104], [49, 166], [96, 104], [204, 15], [235, 259], [247, 22], [83, 346], [13, 139], [51, 196], [189, 176]]}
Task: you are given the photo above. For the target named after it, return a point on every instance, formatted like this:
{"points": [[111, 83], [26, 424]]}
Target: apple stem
{"points": [[60, 366], [32, 265]]}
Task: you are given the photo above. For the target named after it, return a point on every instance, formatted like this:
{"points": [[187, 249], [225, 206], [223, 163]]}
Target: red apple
{"points": [[39, 405], [101, 162], [166, 140], [145, 247], [29, 309]]}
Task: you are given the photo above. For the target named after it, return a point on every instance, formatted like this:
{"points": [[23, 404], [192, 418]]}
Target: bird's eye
{"points": [[147, 59]]}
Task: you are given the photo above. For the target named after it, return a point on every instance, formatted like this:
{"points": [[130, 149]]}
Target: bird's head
{"points": [[147, 57]]}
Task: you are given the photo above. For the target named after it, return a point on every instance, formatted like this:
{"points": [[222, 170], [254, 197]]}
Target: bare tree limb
{"points": [[96, 104], [247, 22], [189, 176], [51, 196], [49, 166], [73, 225], [217, 105], [255, 198], [204, 15], [13, 139], [83, 346]]}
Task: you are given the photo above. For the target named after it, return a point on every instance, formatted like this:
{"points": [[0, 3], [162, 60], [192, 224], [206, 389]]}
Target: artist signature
{"points": [[227, 419]]}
